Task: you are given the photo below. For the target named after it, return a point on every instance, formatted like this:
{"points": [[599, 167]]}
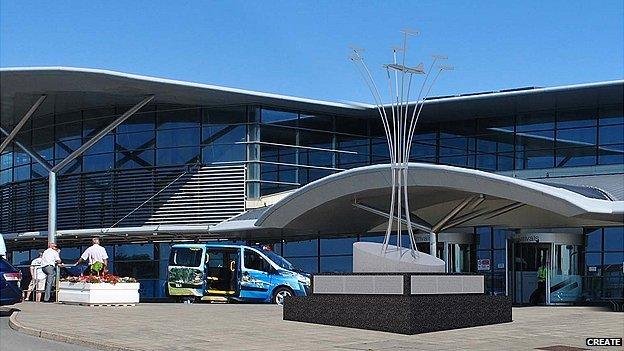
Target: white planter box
{"points": [[99, 293]]}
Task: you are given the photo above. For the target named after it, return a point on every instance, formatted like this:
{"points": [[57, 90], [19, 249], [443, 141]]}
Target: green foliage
{"points": [[97, 267]]}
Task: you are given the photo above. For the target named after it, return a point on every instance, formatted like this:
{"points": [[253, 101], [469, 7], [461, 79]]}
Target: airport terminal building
{"points": [[506, 179]]}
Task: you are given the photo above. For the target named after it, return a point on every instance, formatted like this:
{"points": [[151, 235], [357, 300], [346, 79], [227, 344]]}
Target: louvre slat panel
{"points": [[98, 200]]}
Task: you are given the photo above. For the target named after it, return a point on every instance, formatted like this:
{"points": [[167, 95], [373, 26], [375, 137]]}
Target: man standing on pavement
{"points": [[96, 257], [37, 279], [49, 260]]}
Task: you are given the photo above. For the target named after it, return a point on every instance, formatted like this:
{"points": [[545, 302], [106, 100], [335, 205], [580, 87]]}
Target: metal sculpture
{"points": [[399, 125]]}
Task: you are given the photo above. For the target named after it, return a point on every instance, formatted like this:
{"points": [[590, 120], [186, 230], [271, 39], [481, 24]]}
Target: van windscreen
{"points": [[186, 256]]}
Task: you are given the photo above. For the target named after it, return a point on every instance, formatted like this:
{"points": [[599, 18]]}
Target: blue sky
{"points": [[300, 48]]}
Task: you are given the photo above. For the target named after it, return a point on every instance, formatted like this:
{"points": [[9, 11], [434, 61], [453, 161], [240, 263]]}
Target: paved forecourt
{"points": [[260, 327]]}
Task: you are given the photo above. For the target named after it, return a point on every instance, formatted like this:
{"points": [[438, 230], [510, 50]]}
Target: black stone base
{"points": [[404, 314]]}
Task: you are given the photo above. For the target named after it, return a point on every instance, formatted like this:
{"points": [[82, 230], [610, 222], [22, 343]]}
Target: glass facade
{"points": [[283, 150]]}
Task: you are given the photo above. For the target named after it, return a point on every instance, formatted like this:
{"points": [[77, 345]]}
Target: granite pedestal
{"points": [[409, 303]]}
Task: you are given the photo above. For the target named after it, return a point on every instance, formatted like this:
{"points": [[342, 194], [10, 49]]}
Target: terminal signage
{"points": [[483, 264]]}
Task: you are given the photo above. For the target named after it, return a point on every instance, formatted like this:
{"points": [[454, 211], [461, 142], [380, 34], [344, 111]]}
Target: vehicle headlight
{"points": [[303, 280]]}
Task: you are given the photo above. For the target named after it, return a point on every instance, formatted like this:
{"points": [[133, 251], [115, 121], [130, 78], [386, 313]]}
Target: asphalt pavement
{"points": [[11, 340]]}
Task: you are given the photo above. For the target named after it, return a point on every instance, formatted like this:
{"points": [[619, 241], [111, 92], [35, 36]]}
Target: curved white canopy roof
{"points": [[327, 205]]}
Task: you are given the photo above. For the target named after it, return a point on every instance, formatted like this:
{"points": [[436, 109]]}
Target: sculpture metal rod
{"points": [[384, 214]]}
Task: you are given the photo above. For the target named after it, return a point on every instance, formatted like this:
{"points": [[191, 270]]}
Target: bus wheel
{"points": [[280, 294]]}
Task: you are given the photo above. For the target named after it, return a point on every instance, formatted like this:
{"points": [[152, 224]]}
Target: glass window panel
{"points": [[278, 135], [6, 159], [139, 122], [223, 153], [96, 119], [70, 254], [505, 162], [135, 159], [535, 140], [462, 161], [177, 137], [535, 121], [614, 238], [168, 117], [352, 125], [611, 154], [139, 269], [38, 171], [495, 124], [593, 240], [223, 134], [268, 172], [66, 147], [223, 116], [135, 141], [454, 146], [457, 128], [103, 145], [420, 149], [593, 260], [71, 130], [46, 151], [134, 252], [486, 162], [576, 118], [571, 157], [20, 158], [306, 264], [282, 154], [279, 117], [300, 248], [316, 122], [337, 246], [576, 137], [500, 238], [611, 115], [177, 156], [535, 159], [316, 158], [337, 263], [43, 136], [101, 162], [6, 176], [486, 143], [21, 173], [613, 134], [613, 264], [484, 238]]}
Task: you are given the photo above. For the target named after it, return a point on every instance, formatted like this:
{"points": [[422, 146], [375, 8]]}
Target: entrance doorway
{"points": [[456, 249], [545, 268]]}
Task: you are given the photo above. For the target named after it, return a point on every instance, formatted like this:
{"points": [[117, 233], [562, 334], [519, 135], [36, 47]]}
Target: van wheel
{"points": [[280, 294], [188, 300]]}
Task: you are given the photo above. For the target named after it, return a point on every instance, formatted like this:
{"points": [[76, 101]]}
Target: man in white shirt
{"points": [[37, 279], [49, 260], [94, 253]]}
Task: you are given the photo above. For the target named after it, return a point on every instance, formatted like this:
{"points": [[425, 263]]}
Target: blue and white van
{"points": [[216, 272]]}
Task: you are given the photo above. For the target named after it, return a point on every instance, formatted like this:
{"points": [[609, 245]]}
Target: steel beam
{"points": [[21, 123], [483, 212], [102, 133], [467, 201], [74, 155], [51, 207], [32, 153]]}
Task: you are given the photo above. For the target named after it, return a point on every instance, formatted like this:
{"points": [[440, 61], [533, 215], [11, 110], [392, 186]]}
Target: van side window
{"points": [[254, 261]]}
